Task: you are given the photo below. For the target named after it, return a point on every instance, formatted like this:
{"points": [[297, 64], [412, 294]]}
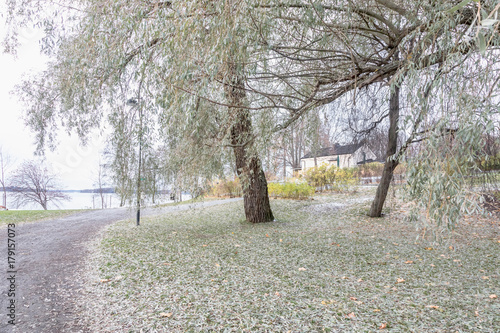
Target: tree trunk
{"points": [[248, 164], [390, 164]]}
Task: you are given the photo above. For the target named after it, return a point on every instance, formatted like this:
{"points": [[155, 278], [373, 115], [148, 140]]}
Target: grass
{"points": [[184, 202], [318, 269], [19, 216]]}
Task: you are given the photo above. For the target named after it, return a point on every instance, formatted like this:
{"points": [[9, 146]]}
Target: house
{"points": [[346, 156]]}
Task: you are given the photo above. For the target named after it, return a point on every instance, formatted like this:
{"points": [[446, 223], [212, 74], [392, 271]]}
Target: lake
{"points": [[86, 201]]}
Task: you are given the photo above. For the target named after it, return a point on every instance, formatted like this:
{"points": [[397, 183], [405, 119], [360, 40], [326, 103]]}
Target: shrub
{"points": [[373, 169], [290, 190], [332, 178], [226, 188]]}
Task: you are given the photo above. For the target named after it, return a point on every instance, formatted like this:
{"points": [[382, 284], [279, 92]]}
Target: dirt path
{"points": [[49, 261]]}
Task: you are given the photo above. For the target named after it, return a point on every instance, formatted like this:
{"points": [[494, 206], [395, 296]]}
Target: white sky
{"points": [[76, 165]]}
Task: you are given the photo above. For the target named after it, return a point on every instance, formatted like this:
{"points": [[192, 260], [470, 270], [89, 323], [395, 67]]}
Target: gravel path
{"points": [[49, 261]]}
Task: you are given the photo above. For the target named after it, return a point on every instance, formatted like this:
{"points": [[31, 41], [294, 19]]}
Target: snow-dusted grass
{"points": [[20, 216], [323, 266]]}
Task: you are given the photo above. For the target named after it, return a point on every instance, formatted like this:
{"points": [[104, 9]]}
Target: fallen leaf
{"points": [[376, 310], [281, 240], [432, 265], [451, 247], [400, 280], [118, 278], [302, 269], [344, 277], [476, 313], [237, 245], [360, 280], [277, 293], [205, 245], [353, 298], [351, 315], [432, 306], [493, 296], [105, 280], [382, 326], [217, 265], [485, 277], [456, 260], [267, 235], [429, 248], [166, 314], [409, 262]]}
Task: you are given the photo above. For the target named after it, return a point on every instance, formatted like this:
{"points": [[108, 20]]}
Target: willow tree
{"points": [[339, 48], [184, 62]]}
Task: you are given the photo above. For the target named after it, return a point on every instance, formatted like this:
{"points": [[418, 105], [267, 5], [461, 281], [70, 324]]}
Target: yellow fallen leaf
{"points": [[409, 262], [204, 245], [166, 314], [476, 313], [400, 280], [493, 296], [429, 248], [277, 293], [451, 247], [432, 306], [302, 269], [353, 298], [376, 310], [217, 265], [105, 280], [351, 315], [382, 326], [281, 240], [485, 277], [267, 235]]}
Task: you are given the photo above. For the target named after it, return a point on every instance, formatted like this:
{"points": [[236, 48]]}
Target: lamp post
{"points": [[133, 102]]}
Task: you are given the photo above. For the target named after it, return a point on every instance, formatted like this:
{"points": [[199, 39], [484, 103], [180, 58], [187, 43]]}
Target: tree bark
{"points": [[248, 164], [390, 164]]}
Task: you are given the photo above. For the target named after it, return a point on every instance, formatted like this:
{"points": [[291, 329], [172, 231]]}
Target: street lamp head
{"points": [[132, 102]]}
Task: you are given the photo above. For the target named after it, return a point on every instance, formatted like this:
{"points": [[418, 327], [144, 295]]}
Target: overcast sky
{"points": [[76, 165]]}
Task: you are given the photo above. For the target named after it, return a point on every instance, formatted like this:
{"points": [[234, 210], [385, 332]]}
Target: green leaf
{"points": [[482, 43], [459, 6], [488, 22]]}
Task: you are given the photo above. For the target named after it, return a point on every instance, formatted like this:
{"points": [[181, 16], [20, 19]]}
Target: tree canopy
{"points": [[216, 76]]}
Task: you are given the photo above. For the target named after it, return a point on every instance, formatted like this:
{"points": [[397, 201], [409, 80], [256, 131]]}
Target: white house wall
{"points": [[358, 155], [346, 161]]}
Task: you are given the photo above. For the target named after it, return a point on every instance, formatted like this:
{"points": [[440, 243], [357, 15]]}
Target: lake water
{"points": [[87, 201]]}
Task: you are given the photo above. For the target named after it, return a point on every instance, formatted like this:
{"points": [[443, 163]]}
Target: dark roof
{"points": [[335, 150]]}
